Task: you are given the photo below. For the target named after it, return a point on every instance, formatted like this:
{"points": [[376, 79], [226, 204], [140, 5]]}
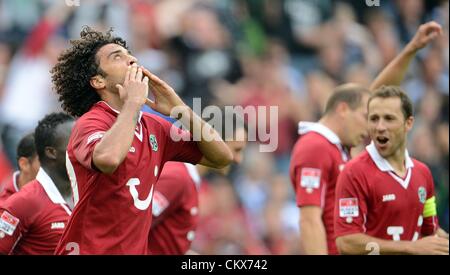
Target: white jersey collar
{"points": [[305, 127], [49, 186], [117, 112], [382, 163], [193, 172], [15, 178]]}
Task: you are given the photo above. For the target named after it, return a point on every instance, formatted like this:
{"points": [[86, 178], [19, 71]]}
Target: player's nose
{"points": [[132, 60], [380, 127]]}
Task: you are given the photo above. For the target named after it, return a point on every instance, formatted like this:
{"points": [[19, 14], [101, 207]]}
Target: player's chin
{"points": [[224, 171], [112, 84], [358, 141], [383, 149]]}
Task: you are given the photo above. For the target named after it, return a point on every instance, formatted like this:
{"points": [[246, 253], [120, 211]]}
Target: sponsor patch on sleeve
{"points": [[160, 203], [310, 179], [95, 136], [8, 223], [348, 208]]}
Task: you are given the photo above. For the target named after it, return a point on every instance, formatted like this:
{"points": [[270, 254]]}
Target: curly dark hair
{"points": [[45, 132], [76, 66]]}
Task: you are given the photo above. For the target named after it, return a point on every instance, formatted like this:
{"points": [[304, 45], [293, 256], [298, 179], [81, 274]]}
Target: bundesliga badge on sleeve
{"points": [[8, 223], [310, 179], [160, 203], [348, 208]]}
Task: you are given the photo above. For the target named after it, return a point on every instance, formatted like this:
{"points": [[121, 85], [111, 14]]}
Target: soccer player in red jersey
{"points": [[175, 202], [318, 157], [33, 219], [322, 149], [116, 153], [5, 166], [385, 201], [28, 163]]}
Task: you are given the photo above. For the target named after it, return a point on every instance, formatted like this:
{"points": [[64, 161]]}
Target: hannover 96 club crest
{"points": [[154, 143], [422, 194]]}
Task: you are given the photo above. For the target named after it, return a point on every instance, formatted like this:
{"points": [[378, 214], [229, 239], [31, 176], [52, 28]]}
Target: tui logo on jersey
{"points": [[422, 194], [154, 143]]}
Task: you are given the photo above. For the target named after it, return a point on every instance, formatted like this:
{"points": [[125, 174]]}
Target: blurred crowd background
{"points": [[286, 53]]}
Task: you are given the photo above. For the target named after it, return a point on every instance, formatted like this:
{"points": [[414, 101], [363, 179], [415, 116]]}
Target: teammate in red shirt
{"points": [[385, 200], [318, 157], [28, 163], [321, 151], [175, 203], [33, 219], [5, 166], [116, 153], [175, 209]]}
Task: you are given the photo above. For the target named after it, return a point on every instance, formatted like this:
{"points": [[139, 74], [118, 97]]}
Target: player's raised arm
{"points": [[215, 152], [113, 147], [395, 71]]}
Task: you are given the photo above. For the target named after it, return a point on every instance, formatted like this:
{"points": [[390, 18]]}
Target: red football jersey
{"points": [[9, 187], [372, 199], [317, 160], [112, 213], [175, 209], [33, 219], [5, 166]]}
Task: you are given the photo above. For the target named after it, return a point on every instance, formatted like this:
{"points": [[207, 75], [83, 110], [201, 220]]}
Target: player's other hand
{"points": [[432, 245], [135, 86], [441, 233], [425, 34], [165, 97]]}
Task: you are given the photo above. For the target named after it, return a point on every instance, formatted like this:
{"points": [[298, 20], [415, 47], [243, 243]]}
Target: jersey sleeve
{"points": [[351, 204], [85, 135], [180, 145], [16, 216], [430, 219], [311, 177], [168, 194]]}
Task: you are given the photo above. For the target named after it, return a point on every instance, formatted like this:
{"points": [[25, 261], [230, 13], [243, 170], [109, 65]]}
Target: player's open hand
{"points": [[135, 86], [425, 34], [165, 97], [432, 245], [441, 233]]}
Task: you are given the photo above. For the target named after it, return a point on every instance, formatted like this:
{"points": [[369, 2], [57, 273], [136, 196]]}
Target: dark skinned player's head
{"points": [[51, 139]]}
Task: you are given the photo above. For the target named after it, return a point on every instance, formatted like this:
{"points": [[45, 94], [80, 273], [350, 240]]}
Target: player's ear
{"points": [[342, 108], [97, 82], [50, 152], [409, 123], [23, 163]]}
